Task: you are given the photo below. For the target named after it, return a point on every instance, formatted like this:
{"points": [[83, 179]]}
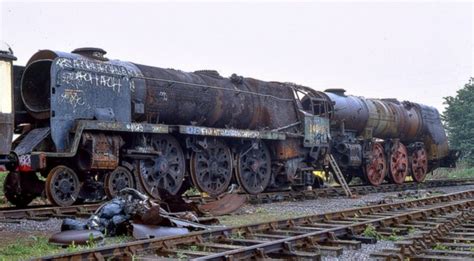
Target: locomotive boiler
{"points": [[90, 126], [410, 138]]}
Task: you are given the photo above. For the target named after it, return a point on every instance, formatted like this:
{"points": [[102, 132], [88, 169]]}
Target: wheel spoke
{"points": [[254, 169], [211, 168], [166, 167], [375, 168], [62, 186]]}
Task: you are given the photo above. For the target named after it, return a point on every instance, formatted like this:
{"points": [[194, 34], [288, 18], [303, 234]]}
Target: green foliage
{"points": [[370, 231], [237, 235], [440, 246], [461, 171], [27, 248], [459, 121], [181, 256], [3, 175], [411, 230], [394, 235]]}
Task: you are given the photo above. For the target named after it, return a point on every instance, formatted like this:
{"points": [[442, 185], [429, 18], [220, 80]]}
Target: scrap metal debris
{"points": [[79, 237], [224, 205], [131, 212], [141, 231]]}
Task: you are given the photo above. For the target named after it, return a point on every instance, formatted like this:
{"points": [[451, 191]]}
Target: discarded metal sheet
{"points": [[79, 237], [142, 231], [224, 205]]}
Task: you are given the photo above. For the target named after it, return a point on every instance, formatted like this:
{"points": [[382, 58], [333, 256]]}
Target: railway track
{"points": [[44, 212], [314, 236]]}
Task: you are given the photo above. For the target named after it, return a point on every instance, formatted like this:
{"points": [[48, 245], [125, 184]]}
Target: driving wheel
{"points": [[117, 180], [398, 163], [253, 169], [211, 168], [419, 165], [166, 169], [376, 165], [62, 186]]}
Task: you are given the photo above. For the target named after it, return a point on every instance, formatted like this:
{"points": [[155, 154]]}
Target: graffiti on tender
{"points": [[81, 72], [72, 97], [163, 96], [135, 127], [93, 66], [79, 79]]}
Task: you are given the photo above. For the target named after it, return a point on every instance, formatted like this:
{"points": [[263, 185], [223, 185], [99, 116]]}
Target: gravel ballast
{"points": [[10, 231]]}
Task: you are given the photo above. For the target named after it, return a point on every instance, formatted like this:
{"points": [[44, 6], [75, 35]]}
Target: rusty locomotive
{"points": [[89, 126]]}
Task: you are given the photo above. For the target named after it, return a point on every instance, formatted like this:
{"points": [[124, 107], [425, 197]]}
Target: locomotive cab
{"points": [[6, 104]]}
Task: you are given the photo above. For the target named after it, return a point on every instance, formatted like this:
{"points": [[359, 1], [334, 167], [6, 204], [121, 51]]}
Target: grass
{"points": [[440, 246], [3, 200], [33, 246], [461, 171], [260, 215], [371, 231], [26, 248]]}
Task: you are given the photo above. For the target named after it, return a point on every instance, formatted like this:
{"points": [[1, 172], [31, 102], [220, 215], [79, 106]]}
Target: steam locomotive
{"points": [[89, 126]]}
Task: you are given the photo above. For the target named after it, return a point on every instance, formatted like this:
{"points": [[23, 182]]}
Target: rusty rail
{"points": [[448, 238], [307, 236], [279, 196], [44, 212]]}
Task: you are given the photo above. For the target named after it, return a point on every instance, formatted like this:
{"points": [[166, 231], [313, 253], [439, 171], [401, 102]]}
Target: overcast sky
{"points": [[410, 51]]}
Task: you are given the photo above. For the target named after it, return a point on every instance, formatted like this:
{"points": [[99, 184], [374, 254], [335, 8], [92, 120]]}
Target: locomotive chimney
{"points": [[337, 91], [91, 52]]}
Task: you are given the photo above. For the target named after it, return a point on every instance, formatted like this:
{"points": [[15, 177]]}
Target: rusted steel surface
{"points": [[135, 93], [448, 237], [220, 101], [296, 237], [375, 168], [398, 162], [102, 151], [42, 212], [389, 118], [223, 205]]}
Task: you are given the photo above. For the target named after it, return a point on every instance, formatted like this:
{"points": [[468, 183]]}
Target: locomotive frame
{"points": [[92, 126]]}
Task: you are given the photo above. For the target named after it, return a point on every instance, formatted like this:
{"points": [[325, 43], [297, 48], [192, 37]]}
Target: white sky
{"points": [[411, 51]]}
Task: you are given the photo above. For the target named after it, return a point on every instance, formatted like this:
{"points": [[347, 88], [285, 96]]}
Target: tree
{"points": [[459, 121]]}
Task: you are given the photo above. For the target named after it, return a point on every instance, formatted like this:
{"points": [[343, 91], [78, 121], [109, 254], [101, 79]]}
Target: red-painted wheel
{"points": [[376, 166], [419, 165], [398, 163]]}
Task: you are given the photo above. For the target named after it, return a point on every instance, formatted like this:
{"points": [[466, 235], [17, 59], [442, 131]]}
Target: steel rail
{"points": [[42, 212], [445, 234], [313, 229]]}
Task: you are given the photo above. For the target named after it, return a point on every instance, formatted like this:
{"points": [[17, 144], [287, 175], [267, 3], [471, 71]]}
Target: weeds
{"points": [[27, 248], [440, 246], [370, 231]]}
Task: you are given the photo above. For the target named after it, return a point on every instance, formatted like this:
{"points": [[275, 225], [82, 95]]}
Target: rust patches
{"points": [[103, 150], [224, 205]]}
